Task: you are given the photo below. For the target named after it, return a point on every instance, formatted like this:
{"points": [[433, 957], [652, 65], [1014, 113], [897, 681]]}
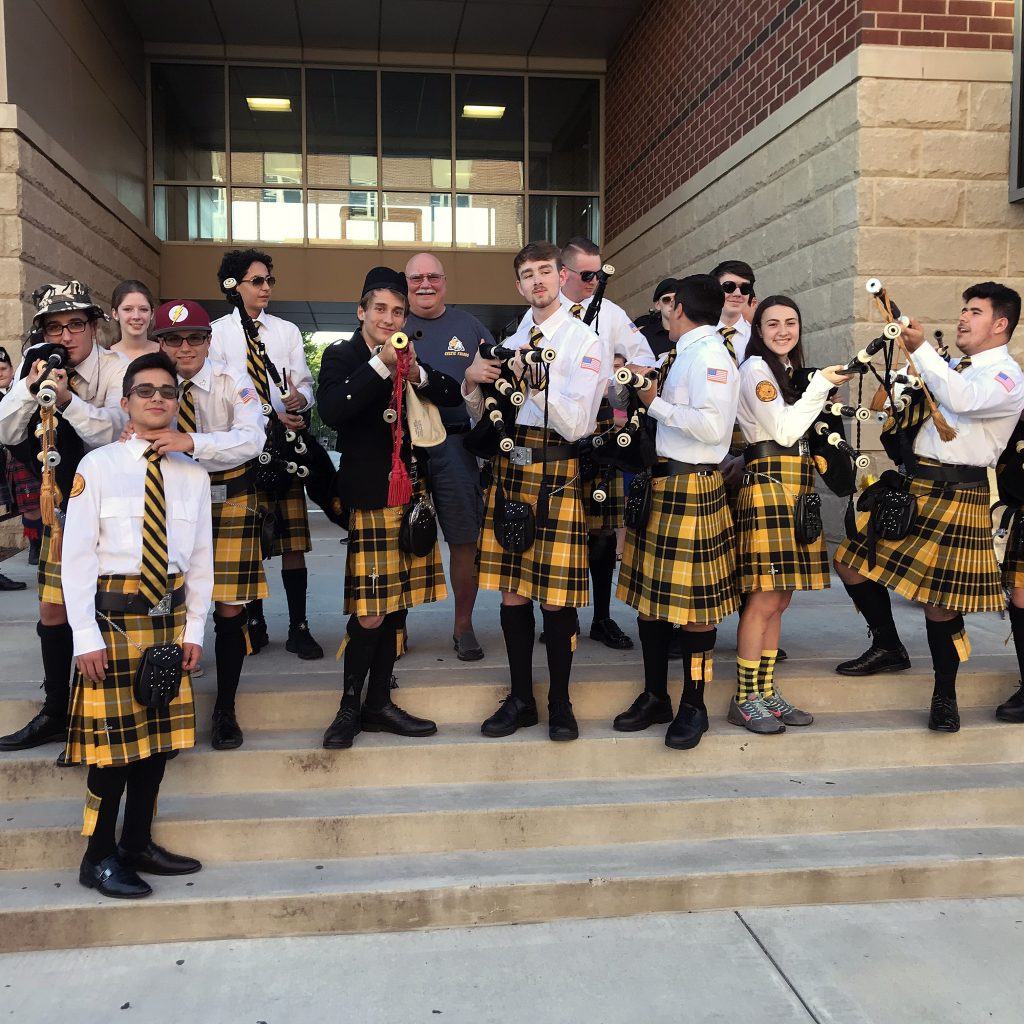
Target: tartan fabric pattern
{"points": [[681, 567], [946, 560], [769, 556], [48, 571], [554, 569], [106, 726], [237, 561], [379, 576], [609, 514], [1012, 569], [292, 519]]}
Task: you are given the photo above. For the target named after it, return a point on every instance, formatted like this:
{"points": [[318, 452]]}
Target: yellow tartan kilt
{"points": [[1012, 569], [769, 556], [292, 519], [106, 726], [947, 560], [48, 571], [237, 561], [681, 567], [610, 513]]}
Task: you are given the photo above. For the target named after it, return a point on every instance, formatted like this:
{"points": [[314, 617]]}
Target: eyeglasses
{"points": [[585, 275], [429, 278], [668, 297], [55, 330], [258, 282], [168, 391], [177, 340], [746, 288]]}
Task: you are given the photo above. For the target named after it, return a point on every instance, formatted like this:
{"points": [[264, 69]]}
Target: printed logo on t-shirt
{"points": [[456, 348]]}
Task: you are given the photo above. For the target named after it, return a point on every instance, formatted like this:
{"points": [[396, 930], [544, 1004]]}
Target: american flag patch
{"points": [[718, 376], [247, 395], [633, 327], [1006, 381], [591, 363]]}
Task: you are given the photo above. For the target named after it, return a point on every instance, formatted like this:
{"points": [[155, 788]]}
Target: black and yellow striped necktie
{"points": [[536, 337], [728, 333], [153, 581], [187, 409], [670, 358], [576, 310], [76, 382], [256, 366]]}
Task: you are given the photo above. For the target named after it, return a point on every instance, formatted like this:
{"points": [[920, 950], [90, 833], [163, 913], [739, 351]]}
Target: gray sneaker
{"points": [[783, 710], [753, 715]]}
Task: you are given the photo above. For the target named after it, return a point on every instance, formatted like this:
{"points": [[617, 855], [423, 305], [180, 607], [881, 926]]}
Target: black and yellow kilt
{"points": [[946, 560], [681, 567], [292, 519], [48, 571], [1012, 569], [554, 569], [610, 513], [769, 557], [237, 560], [379, 576], [106, 726]]}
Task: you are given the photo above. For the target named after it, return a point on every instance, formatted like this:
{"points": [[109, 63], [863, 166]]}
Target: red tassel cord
{"points": [[400, 486]]}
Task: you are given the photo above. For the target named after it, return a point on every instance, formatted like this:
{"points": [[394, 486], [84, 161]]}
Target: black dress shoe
{"points": [[42, 729], [945, 715], [300, 641], [6, 583], [512, 714], [675, 644], [687, 728], [344, 729], [226, 734], [645, 711], [391, 718], [33, 552], [258, 636], [608, 632], [155, 860], [111, 878], [561, 721], [875, 660], [1012, 710]]}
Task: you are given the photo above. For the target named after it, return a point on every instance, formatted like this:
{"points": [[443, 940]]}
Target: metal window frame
{"points": [[1016, 169]]}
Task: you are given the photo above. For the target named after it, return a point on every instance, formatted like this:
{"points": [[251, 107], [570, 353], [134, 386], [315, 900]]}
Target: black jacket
{"points": [[351, 397]]}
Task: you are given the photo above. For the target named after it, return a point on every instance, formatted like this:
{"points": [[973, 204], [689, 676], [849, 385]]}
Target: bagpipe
{"points": [[287, 453]]}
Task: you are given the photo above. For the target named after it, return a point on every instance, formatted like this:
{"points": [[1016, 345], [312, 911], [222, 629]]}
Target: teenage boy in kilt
{"points": [[946, 562], [139, 540], [679, 568], [553, 570], [282, 342], [220, 424], [88, 403], [382, 582]]}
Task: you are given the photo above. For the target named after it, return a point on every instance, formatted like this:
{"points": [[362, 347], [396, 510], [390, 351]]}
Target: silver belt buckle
{"points": [[162, 607], [520, 456], [218, 494], [804, 446]]}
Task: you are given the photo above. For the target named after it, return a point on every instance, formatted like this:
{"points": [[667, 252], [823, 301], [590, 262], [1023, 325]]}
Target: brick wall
{"points": [[961, 24]]}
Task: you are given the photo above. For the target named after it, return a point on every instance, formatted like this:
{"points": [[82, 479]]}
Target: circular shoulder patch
{"points": [[766, 391], [821, 464], [77, 485]]}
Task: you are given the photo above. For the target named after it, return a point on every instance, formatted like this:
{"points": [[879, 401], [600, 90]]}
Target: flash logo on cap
{"points": [[177, 314]]}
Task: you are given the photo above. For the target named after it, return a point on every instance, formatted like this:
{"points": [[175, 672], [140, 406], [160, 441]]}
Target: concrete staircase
{"points": [[456, 829]]}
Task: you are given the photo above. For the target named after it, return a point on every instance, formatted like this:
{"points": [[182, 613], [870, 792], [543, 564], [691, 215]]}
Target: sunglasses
{"points": [[258, 282], [177, 340], [585, 275], [746, 288], [168, 391]]}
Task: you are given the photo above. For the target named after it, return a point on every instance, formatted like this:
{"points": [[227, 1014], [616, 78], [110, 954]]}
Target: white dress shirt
{"points": [[283, 343], [982, 404], [94, 412], [103, 534], [740, 338], [231, 428], [697, 406], [763, 414], [579, 376]]}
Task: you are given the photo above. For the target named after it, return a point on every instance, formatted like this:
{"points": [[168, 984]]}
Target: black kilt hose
{"points": [[681, 566], [48, 571], [292, 534], [769, 556], [238, 575], [105, 724], [610, 513], [946, 560], [554, 569]]}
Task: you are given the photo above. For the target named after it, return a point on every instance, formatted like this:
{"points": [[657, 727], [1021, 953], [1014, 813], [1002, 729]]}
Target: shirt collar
{"points": [[202, 376], [697, 334], [552, 323], [261, 319], [989, 356], [86, 369], [137, 447]]}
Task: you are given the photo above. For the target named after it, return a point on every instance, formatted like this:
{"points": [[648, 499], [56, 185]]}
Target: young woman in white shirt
{"points": [[132, 308]]}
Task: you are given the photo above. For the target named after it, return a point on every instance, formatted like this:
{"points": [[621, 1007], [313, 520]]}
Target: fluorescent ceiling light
{"points": [[482, 110], [276, 104]]}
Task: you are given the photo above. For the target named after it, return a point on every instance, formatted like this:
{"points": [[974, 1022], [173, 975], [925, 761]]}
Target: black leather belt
{"points": [[767, 449], [134, 604], [673, 468], [521, 456], [949, 474], [457, 428]]}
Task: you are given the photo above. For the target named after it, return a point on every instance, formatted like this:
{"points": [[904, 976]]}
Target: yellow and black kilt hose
{"points": [[292, 519], [769, 557], [106, 726], [681, 567], [379, 576], [48, 572], [554, 569], [237, 561], [947, 560], [610, 513]]}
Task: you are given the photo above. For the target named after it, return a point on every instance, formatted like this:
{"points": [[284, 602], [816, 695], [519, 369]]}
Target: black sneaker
{"points": [[301, 642]]}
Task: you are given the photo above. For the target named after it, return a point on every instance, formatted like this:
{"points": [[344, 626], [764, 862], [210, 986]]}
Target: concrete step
{"points": [[333, 823], [294, 760], [49, 909]]}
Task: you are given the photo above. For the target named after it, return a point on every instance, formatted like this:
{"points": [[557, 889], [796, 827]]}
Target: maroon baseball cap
{"points": [[180, 315]]}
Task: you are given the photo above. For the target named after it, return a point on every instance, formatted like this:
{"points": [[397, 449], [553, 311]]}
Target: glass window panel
{"points": [[341, 127], [564, 134], [489, 150], [414, 218], [558, 218], [190, 213], [342, 218], [493, 222], [188, 122], [266, 145], [267, 215], [416, 130]]}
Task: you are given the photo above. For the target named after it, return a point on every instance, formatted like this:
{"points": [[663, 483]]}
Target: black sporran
{"points": [[638, 500], [515, 525], [158, 677], [417, 534], [268, 531], [807, 518]]}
